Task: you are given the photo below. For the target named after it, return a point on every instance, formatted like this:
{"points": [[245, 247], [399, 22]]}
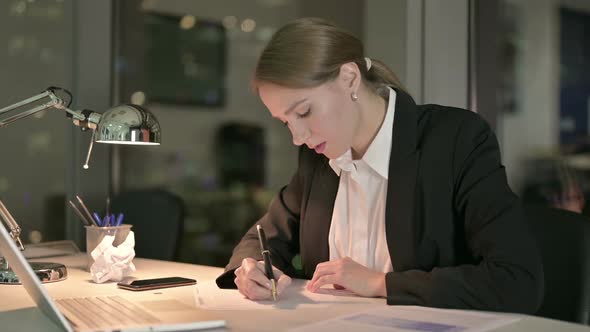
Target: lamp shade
{"points": [[128, 124]]}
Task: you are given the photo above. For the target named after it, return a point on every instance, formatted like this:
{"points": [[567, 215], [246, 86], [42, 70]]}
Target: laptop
{"points": [[104, 313]]}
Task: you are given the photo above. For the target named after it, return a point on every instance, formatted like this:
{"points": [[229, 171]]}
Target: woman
{"points": [[390, 199]]}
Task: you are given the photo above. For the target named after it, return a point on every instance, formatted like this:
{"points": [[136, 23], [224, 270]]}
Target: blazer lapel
{"points": [[315, 226], [403, 163]]}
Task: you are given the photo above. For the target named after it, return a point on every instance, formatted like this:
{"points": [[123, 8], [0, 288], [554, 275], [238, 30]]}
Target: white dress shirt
{"points": [[358, 220]]}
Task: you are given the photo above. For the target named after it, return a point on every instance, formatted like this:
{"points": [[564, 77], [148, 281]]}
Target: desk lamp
{"points": [[123, 124]]}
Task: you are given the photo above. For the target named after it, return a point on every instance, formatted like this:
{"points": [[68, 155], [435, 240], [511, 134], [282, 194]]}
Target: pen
{"points": [[97, 218], [108, 207], [105, 221], [86, 222], [120, 219], [85, 208], [267, 262]]}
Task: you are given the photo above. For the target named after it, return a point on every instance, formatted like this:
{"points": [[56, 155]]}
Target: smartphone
{"points": [[147, 284]]}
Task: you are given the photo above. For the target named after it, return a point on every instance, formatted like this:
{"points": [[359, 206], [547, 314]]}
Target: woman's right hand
{"points": [[253, 283]]}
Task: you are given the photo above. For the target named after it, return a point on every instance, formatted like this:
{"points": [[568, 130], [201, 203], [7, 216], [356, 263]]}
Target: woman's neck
{"points": [[372, 113]]}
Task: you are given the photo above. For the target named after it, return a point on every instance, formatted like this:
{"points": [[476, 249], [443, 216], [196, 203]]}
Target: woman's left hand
{"points": [[351, 275]]}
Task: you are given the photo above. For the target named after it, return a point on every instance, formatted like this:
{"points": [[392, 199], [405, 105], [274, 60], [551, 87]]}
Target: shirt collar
{"points": [[377, 155]]}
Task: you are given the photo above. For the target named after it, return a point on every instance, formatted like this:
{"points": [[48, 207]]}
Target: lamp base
{"points": [[46, 272]]}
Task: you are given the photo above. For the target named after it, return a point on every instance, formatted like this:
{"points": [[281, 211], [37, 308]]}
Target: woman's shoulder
{"points": [[447, 113], [443, 126], [449, 118]]}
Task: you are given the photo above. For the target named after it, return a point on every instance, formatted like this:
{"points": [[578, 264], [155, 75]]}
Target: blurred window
{"points": [[36, 53]]}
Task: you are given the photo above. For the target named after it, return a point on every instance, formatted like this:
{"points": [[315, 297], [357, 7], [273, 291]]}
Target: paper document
{"points": [[412, 318], [295, 296]]}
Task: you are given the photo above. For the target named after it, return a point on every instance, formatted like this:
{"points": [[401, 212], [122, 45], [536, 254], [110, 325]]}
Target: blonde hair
{"points": [[310, 51]]}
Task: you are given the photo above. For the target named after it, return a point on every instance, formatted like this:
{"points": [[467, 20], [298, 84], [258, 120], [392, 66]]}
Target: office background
{"points": [[522, 64]]}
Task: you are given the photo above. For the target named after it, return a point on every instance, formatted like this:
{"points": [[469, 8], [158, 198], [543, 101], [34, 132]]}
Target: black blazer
{"points": [[455, 231]]}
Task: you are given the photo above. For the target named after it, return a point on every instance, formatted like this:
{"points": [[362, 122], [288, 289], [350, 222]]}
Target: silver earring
{"points": [[354, 97]]}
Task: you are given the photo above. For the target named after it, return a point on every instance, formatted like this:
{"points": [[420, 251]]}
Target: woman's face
{"points": [[324, 118]]}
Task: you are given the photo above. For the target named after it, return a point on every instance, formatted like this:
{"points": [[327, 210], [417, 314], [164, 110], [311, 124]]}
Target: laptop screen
{"points": [[19, 264]]}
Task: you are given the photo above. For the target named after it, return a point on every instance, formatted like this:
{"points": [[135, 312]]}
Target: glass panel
{"points": [[543, 125], [222, 153], [35, 54]]}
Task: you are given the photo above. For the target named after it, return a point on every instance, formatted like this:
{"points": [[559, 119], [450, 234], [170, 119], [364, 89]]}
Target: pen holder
{"points": [[94, 236]]}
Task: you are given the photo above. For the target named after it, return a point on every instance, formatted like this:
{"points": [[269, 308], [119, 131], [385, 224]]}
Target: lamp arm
{"points": [[13, 227], [85, 119], [54, 101]]}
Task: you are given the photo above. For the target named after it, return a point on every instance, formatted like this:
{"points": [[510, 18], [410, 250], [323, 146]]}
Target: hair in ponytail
{"points": [[310, 51], [380, 76]]}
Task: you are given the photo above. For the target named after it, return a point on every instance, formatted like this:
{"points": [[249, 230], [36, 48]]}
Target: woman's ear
{"points": [[350, 76]]}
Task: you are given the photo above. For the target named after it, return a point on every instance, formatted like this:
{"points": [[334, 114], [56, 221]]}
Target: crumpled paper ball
{"points": [[113, 263]]}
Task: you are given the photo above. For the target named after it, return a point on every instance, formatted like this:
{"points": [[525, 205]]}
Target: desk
{"points": [[17, 311]]}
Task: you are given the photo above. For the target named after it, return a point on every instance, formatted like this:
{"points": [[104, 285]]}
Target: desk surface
{"points": [[17, 312]]}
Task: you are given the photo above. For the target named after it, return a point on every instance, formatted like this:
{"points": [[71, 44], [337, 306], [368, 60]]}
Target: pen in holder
{"points": [[94, 235]]}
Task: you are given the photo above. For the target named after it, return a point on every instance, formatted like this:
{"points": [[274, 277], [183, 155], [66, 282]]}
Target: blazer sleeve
{"points": [[508, 274], [281, 226]]}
